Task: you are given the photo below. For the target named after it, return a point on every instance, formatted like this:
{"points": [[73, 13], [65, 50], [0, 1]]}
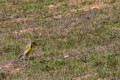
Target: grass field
{"points": [[76, 39]]}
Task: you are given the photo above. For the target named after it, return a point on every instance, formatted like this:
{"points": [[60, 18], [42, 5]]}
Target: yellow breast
{"points": [[28, 51]]}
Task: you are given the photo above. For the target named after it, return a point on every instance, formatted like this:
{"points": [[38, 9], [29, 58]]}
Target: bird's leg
{"points": [[27, 61]]}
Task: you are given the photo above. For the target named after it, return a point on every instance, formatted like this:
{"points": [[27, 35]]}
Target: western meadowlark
{"points": [[27, 51]]}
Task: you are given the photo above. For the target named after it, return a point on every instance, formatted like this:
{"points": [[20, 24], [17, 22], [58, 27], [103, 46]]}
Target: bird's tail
{"points": [[23, 57]]}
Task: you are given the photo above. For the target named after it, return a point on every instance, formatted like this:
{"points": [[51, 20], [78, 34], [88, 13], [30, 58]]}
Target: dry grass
{"points": [[76, 39]]}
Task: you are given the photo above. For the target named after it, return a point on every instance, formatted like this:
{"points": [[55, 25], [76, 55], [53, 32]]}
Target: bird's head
{"points": [[33, 44]]}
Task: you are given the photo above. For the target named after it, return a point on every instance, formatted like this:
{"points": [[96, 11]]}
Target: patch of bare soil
{"points": [[73, 2], [22, 31], [16, 20], [26, 0], [87, 77], [13, 66], [93, 6]]}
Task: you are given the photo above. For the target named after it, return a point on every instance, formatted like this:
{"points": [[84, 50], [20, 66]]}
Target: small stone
{"points": [[50, 6], [66, 56], [57, 17]]}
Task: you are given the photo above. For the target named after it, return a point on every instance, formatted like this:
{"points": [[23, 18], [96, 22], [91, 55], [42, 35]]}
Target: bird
{"points": [[28, 50]]}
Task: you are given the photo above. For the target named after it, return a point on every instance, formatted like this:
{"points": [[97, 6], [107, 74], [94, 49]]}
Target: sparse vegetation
{"points": [[75, 40]]}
